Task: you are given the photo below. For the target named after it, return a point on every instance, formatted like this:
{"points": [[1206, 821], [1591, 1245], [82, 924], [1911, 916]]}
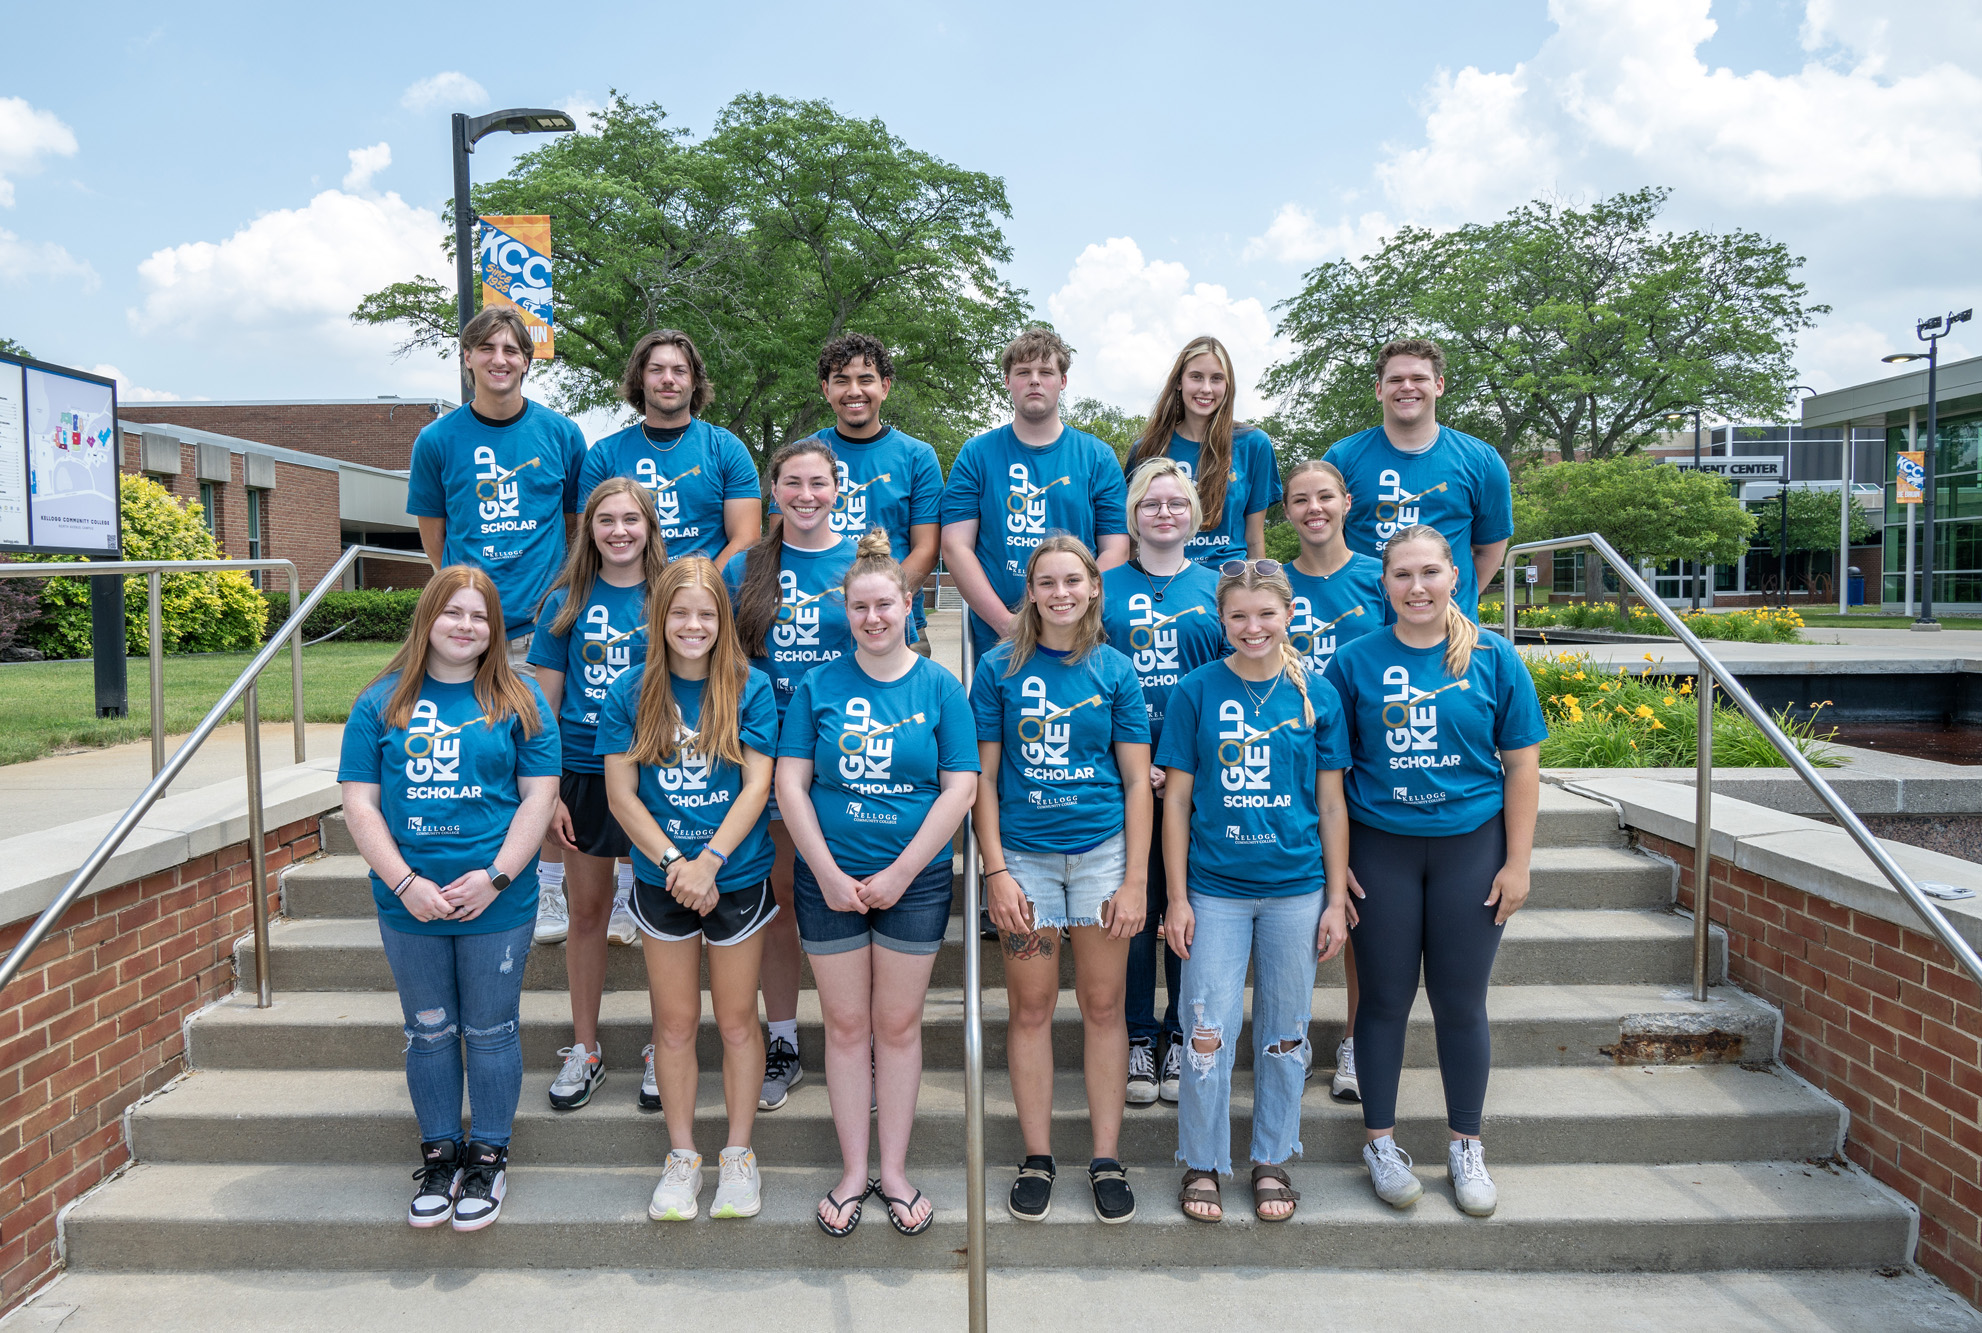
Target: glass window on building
{"points": [[206, 507], [1958, 516], [257, 541]]}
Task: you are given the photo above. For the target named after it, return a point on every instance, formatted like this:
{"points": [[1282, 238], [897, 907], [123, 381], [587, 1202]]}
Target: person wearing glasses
{"points": [[1161, 610]]}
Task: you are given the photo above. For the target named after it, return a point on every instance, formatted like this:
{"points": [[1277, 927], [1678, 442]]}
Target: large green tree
{"points": [[1812, 522], [1571, 331], [786, 225], [12, 348]]}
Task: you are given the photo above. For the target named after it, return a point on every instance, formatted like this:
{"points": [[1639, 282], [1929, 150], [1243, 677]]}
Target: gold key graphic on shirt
{"points": [[1144, 636], [1232, 752], [1418, 696], [1304, 643], [1394, 505], [839, 505], [490, 487], [1018, 500], [855, 742], [425, 739], [1032, 730], [667, 483], [788, 611], [599, 646]]}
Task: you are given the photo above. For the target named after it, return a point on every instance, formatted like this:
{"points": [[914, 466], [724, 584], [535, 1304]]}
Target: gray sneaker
{"points": [[1466, 1164], [1390, 1173], [1142, 1073], [650, 1087], [781, 1074], [553, 922], [1344, 1087], [580, 1077]]}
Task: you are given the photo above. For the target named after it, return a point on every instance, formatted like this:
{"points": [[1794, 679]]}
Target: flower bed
{"points": [[1761, 624]]}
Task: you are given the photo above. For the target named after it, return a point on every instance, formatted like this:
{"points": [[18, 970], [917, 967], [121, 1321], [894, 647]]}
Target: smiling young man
{"points": [[706, 497], [1012, 486], [1412, 470]]}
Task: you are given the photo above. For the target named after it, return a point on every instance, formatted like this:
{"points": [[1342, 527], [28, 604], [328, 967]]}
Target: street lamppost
{"points": [[468, 131], [1692, 566], [1782, 490], [1929, 331]]}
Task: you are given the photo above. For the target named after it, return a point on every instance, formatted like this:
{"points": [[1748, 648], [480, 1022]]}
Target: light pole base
{"points": [[1926, 626]]}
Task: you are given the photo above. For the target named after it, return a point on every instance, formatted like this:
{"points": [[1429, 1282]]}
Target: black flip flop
{"points": [[852, 1221], [907, 1206]]}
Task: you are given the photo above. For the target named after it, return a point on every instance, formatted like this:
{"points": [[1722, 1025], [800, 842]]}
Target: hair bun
{"points": [[873, 543]]}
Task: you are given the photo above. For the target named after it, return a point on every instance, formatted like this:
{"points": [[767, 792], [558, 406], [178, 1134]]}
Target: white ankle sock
{"points": [[788, 1029], [622, 879], [550, 874]]}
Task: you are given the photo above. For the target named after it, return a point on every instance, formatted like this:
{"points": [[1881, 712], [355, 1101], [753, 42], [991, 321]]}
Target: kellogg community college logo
{"points": [[433, 758], [1410, 726], [497, 493], [667, 502], [1245, 760], [1396, 508]]}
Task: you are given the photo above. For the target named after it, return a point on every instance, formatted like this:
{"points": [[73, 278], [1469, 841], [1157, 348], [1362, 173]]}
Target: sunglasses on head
{"points": [[1237, 568]]}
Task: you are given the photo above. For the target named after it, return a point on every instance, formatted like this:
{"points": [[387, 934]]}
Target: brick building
{"points": [[377, 432]]}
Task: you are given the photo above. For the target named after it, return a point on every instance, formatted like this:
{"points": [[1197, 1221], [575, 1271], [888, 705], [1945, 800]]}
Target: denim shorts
{"points": [[1069, 890], [915, 924]]}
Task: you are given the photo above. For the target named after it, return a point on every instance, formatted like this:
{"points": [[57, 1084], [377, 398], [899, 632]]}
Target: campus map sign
{"points": [[58, 460], [515, 269]]}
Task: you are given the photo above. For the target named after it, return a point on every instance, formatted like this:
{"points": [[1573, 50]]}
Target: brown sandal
{"points": [[1201, 1187], [1270, 1185]]}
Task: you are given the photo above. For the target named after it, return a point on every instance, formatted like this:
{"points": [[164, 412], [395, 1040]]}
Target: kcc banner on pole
{"points": [[516, 271], [1909, 475]]}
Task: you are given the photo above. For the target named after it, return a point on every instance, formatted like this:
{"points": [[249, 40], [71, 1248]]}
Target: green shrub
{"points": [[199, 613], [368, 615], [1761, 624]]}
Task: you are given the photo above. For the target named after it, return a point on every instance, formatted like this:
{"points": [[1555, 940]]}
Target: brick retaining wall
{"points": [[95, 1021]]}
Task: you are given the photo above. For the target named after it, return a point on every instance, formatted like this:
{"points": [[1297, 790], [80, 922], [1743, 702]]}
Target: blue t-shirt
{"points": [[811, 628], [1252, 486], [1427, 747], [1059, 788], [892, 481], [878, 750], [1459, 485], [1331, 610], [1255, 826], [690, 796], [1019, 495], [609, 636], [1167, 626], [503, 492], [448, 790], [689, 478]]}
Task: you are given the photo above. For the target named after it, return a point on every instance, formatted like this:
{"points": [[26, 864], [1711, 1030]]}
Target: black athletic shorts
{"points": [[593, 828], [737, 915]]}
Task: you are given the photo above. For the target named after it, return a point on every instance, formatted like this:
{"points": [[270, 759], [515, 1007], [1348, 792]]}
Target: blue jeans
{"points": [[1140, 1000], [457, 990], [914, 925], [1278, 935]]}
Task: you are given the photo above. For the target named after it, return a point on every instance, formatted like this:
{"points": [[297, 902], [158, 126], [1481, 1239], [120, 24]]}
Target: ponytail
{"points": [[1461, 634], [759, 595], [1297, 671]]}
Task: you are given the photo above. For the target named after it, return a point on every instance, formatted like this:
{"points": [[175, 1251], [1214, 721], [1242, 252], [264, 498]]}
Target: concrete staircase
{"points": [[289, 1146]]}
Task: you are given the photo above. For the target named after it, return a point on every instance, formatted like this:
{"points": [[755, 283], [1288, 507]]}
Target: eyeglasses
{"points": [[1233, 569], [1164, 507]]}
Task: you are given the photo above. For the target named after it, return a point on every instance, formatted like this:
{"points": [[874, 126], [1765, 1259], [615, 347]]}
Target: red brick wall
{"points": [[380, 434], [95, 1021], [299, 517], [1878, 1016]]}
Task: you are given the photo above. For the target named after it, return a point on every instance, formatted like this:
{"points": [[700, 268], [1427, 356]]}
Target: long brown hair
{"points": [[758, 596], [582, 561], [657, 722], [633, 380], [1024, 633], [1461, 634], [1214, 454], [498, 689], [1292, 666]]}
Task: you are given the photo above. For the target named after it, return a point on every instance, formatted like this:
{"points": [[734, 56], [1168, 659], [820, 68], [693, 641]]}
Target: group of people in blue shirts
{"points": [[724, 726]]}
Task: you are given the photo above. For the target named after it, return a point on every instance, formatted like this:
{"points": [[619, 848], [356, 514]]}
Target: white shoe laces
{"points": [[577, 1060], [1389, 1154], [736, 1168], [1142, 1060], [681, 1169], [1345, 1059], [647, 1053], [550, 903], [1471, 1165], [1173, 1061]]}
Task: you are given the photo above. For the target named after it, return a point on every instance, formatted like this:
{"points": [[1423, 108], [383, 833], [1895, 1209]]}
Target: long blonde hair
{"points": [[1214, 455], [1292, 665], [1461, 634], [498, 689], [1146, 474], [582, 563], [1024, 633], [657, 722]]}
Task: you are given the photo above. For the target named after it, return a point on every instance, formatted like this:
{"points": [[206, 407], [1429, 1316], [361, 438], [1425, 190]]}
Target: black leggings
{"points": [[1425, 901]]}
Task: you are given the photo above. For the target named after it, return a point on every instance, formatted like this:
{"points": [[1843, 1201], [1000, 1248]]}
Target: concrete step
{"points": [[184, 1218], [1673, 1114], [1532, 1025]]}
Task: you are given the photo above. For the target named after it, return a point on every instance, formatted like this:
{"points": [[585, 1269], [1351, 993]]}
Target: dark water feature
{"points": [[1939, 741]]}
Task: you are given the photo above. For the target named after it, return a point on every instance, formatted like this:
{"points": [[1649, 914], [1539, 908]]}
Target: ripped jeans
{"points": [[1277, 935], [455, 991]]}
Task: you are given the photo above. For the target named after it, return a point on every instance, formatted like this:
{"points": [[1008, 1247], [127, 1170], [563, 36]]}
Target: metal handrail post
{"points": [[973, 1048], [1703, 830], [1507, 594], [296, 663], [154, 585], [257, 854]]}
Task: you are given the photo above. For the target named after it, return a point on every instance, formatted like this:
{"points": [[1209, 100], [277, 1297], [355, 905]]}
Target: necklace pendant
{"points": [[1159, 596]]}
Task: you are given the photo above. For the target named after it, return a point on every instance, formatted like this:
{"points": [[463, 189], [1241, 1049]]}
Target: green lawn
{"points": [[1880, 620], [48, 706]]}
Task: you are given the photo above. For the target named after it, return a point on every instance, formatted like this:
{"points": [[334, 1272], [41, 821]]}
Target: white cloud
{"points": [[26, 136], [450, 87], [1895, 37], [128, 392], [365, 164], [1129, 317], [23, 260], [1295, 237], [1623, 78]]}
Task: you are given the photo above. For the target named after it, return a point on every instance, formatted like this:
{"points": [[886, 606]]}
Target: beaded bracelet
{"points": [[718, 855]]}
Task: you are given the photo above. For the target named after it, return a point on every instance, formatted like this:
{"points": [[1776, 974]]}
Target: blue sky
{"points": [[196, 197]]}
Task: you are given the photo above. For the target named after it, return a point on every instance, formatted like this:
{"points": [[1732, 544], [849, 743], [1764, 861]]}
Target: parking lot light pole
{"points": [[1929, 331]]}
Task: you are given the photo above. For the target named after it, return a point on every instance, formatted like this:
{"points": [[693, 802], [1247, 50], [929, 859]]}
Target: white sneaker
{"points": [[1142, 1073], [553, 919], [621, 928], [584, 1070], [738, 1192], [1390, 1173], [1171, 1085], [1344, 1086], [681, 1181], [650, 1087], [1466, 1164]]}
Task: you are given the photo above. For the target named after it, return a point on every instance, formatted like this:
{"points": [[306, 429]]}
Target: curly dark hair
{"points": [[852, 347]]}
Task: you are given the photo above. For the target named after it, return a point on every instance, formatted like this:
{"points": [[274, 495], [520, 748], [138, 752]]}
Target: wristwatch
{"points": [[497, 878], [670, 856]]}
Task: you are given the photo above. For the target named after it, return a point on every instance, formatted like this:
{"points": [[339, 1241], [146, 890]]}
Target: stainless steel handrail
{"points": [[973, 1047], [1710, 671], [243, 688], [154, 570]]}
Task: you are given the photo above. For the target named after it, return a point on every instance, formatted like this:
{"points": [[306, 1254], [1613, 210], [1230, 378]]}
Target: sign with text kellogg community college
{"points": [[58, 460], [516, 271], [1909, 475]]}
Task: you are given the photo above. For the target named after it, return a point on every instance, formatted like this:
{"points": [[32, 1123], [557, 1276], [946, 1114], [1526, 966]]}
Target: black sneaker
{"points": [[1114, 1201], [440, 1180], [483, 1183], [1142, 1072], [1032, 1192], [985, 929]]}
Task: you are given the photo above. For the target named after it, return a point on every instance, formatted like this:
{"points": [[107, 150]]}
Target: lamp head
{"points": [[1897, 357]]}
